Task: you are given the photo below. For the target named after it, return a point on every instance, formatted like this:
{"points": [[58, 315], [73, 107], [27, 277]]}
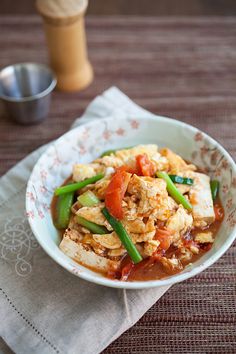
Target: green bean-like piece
{"points": [[173, 191], [88, 199], [215, 186], [75, 186], [181, 180], [63, 210], [91, 226], [123, 236]]}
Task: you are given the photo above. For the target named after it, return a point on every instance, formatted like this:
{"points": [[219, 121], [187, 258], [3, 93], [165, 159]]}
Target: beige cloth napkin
{"points": [[43, 308]]}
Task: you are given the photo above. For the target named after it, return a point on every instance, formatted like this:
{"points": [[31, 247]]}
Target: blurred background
{"points": [[137, 7]]}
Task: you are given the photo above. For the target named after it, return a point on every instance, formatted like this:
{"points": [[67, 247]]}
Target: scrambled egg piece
{"points": [[204, 237], [95, 215], [125, 154], [138, 225], [143, 237], [128, 157], [118, 252], [110, 241], [139, 230], [165, 207], [171, 263], [130, 207], [176, 163], [147, 189], [151, 198], [110, 161], [150, 247], [149, 186], [97, 247], [83, 171], [179, 223], [100, 187], [185, 254]]}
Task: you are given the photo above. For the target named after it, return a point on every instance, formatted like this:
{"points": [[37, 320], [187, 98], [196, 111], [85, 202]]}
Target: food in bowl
{"points": [[137, 213]]}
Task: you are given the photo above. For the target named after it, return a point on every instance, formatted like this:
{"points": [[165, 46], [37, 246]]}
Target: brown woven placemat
{"points": [[180, 67]]}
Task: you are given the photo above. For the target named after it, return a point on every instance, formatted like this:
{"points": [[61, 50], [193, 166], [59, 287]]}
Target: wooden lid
{"points": [[61, 12]]}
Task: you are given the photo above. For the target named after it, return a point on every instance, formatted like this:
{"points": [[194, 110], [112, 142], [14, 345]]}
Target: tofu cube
{"points": [[201, 200]]}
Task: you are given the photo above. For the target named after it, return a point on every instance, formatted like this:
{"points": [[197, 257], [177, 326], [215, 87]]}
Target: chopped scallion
{"points": [[75, 186], [174, 192]]}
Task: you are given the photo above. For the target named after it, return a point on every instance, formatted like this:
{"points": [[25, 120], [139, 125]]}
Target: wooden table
{"points": [[179, 67]]}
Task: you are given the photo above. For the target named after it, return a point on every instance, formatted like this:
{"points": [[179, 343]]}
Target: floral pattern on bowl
{"points": [[85, 143]]}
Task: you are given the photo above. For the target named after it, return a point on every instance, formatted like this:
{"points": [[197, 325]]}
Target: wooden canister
{"points": [[66, 39]]}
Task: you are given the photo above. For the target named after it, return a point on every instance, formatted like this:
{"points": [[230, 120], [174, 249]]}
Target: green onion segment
{"points": [[91, 226], [123, 236], [88, 199], [75, 186], [181, 180], [63, 210], [215, 186], [173, 191]]}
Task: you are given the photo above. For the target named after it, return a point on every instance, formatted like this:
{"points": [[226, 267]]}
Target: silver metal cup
{"points": [[26, 89]]}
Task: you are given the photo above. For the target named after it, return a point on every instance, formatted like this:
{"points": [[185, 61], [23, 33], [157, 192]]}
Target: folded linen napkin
{"points": [[44, 308]]}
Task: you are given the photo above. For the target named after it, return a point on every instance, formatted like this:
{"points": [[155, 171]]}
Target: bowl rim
{"points": [[101, 280], [37, 96]]}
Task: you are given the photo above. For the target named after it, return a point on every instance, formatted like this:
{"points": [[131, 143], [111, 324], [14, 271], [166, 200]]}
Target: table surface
{"points": [[178, 67]]}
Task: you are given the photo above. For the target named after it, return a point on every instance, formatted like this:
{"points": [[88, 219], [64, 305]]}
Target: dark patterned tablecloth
{"points": [[179, 67]]}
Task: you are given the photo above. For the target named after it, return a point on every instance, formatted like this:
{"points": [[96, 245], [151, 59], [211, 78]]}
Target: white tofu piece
{"points": [[80, 253], [201, 200]]}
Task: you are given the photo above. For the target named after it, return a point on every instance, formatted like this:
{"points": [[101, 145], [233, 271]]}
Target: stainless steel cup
{"points": [[26, 89]]}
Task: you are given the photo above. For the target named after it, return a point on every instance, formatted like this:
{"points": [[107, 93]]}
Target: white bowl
{"points": [[85, 143]]}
